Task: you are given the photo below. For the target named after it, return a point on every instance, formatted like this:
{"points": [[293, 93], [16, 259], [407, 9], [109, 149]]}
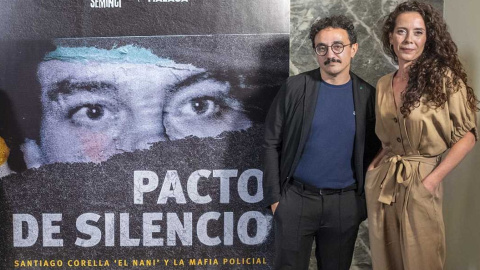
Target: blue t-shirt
{"points": [[326, 161]]}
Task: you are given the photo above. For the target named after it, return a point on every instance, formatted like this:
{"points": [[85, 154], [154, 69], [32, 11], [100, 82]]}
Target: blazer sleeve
{"points": [[372, 143], [272, 146]]}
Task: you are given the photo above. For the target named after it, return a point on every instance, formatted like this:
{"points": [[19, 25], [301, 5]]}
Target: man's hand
{"points": [[274, 207]]}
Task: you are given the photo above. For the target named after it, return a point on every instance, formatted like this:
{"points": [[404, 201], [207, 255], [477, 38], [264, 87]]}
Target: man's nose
{"points": [[146, 126], [330, 53], [149, 132], [144, 142]]}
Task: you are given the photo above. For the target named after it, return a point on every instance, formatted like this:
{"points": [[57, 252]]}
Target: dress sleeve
{"points": [[462, 118]]}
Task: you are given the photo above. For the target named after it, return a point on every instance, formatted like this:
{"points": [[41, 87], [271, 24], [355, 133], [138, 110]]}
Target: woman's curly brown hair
{"points": [[439, 57]]}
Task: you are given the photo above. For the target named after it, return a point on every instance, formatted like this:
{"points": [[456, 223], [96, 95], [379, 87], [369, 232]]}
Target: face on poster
{"points": [[99, 102], [105, 96]]}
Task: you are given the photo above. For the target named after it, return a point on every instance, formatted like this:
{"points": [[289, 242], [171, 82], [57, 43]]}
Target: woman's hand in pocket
{"points": [[430, 184]]}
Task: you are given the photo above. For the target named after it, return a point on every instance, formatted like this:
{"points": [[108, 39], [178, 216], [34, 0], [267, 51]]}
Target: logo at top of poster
{"points": [[118, 3], [105, 3]]}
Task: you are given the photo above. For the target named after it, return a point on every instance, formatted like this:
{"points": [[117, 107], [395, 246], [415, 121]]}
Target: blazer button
{"points": [[399, 140], [395, 120]]}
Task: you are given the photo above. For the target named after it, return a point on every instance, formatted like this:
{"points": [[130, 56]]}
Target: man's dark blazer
{"points": [[288, 124]]}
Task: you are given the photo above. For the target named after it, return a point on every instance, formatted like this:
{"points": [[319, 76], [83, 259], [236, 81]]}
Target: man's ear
{"points": [[354, 49], [32, 154]]}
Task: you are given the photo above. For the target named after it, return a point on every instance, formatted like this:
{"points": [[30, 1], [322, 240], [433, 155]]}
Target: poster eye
{"points": [[95, 112], [202, 106], [90, 114]]}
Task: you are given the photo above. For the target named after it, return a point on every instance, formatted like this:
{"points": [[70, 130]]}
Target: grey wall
{"points": [[461, 202], [370, 62]]}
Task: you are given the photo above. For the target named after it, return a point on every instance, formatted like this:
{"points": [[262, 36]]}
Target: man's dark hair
{"points": [[337, 21]]}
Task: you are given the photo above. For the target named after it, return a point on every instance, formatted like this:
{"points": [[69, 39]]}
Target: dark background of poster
{"points": [[74, 189], [46, 19]]}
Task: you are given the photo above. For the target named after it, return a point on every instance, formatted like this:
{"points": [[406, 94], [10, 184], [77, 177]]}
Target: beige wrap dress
{"points": [[406, 226]]}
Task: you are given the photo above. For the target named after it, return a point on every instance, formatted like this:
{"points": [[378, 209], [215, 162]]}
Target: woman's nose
{"points": [[408, 38]]}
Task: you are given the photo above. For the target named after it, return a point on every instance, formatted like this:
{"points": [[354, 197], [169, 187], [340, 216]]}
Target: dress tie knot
{"points": [[400, 171]]}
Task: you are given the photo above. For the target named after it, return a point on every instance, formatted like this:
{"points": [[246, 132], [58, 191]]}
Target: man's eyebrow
{"points": [[67, 87], [335, 42], [189, 81]]}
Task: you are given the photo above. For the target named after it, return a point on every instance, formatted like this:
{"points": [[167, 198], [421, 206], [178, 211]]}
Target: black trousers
{"points": [[303, 216]]}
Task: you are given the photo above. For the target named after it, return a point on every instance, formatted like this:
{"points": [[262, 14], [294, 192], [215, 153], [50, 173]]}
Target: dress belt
{"points": [[400, 172]]}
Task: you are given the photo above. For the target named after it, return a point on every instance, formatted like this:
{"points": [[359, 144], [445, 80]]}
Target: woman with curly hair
{"points": [[422, 109]]}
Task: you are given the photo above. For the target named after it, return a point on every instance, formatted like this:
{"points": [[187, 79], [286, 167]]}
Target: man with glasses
{"points": [[319, 140]]}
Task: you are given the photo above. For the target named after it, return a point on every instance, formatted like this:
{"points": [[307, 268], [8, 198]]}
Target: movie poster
{"points": [[135, 130]]}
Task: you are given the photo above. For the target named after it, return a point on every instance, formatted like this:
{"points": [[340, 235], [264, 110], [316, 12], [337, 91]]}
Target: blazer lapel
{"points": [[310, 102], [359, 103]]}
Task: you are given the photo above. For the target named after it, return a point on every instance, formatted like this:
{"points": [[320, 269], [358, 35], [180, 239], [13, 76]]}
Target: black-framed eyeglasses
{"points": [[337, 48]]}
